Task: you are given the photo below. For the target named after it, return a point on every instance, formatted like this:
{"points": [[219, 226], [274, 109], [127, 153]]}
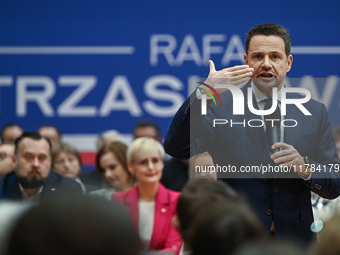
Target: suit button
{"points": [[317, 186], [275, 190], [268, 212], [187, 109]]}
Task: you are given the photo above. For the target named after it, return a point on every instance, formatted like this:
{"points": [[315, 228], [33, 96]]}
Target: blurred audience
{"points": [[10, 132], [32, 179], [197, 194], [10, 212], [75, 225], [94, 177], [7, 164], [150, 204], [147, 128], [67, 162], [220, 228], [111, 164], [108, 136], [329, 238], [271, 248], [52, 133]]}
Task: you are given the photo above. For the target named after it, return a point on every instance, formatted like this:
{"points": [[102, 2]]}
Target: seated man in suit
{"points": [[32, 180], [306, 151]]}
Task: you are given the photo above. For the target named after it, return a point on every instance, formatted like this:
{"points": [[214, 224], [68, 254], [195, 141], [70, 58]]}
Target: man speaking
{"points": [[282, 201]]}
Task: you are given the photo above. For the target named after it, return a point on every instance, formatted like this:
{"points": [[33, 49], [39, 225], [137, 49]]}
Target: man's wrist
{"points": [[307, 174]]}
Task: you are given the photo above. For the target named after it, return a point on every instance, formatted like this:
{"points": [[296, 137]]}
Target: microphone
{"points": [[273, 122]]}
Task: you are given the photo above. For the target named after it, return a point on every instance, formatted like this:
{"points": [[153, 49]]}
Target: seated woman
{"points": [[111, 164], [66, 161], [150, 204]]}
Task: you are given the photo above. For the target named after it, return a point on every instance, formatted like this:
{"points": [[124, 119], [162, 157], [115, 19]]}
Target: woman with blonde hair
{"points": [[150, 204]]}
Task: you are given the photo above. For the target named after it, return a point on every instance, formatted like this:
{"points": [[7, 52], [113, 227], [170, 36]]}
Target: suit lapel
{"points": [[50, 187], [131, 203], [11, 187], [161, 216]]}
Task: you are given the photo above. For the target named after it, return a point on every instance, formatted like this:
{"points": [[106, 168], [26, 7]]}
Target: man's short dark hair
{"points": [[196, 194], [148, 123], [8, 125], [54, 127], [270, 29], [33, 135]]}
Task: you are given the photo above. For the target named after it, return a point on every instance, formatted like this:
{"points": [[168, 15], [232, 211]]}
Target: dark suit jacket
{"points": [[56, 184], [164, 235], [285, 201]]}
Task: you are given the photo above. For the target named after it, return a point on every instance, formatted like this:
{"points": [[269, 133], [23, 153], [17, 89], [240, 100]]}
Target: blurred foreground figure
{"points": [[329, 238], [271, 248], [198, 194], [74, 225], [222, 228]]}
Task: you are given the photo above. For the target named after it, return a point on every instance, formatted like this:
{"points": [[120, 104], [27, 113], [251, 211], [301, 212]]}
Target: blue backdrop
{"points": [[87, 66]]}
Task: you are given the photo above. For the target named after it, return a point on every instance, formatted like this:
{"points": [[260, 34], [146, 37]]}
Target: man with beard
{"points": [[281, 199], [32, 179]]}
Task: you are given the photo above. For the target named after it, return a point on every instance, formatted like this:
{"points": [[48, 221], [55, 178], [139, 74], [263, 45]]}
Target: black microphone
{"points": [[273, 122]]}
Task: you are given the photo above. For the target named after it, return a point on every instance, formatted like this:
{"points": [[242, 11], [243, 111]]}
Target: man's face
{"points": [[51, 134], [146, 132], [11, 134], [266, 54], [6, 162], [33, 162]]}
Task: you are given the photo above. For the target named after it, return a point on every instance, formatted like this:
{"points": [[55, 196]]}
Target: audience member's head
{"points": [[10, 132], [147, 128], [107, 137], [66, 161], [74, 225], [112, 165], [6, 158], [143, 146], [146, 154], [52, 133], [329, 238], [222, 227], [197, 194], [336, 136], [32, 160]]}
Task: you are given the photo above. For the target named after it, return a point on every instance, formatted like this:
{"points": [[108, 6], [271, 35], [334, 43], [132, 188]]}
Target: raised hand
{"points": [[235, 75]]}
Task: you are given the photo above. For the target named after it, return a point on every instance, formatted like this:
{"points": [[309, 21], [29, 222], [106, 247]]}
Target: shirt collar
{"points": [[26, 197], [259, 96]]}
